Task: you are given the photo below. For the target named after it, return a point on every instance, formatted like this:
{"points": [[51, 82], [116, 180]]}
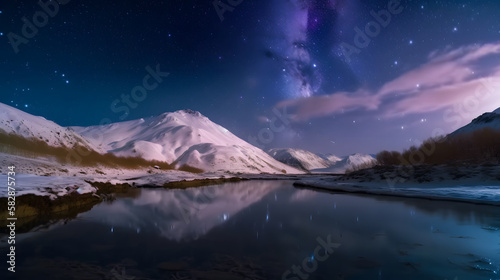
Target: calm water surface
{"points": [[265, 230]]}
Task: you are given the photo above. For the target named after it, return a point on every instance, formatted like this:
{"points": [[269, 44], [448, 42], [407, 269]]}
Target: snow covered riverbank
{"points": [[476, 184]]}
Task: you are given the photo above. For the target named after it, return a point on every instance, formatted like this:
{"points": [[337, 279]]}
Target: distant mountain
{"points": [[301, 159], [349, 162], [486, 120], [331, 158], [183, 138], [15, 121]]}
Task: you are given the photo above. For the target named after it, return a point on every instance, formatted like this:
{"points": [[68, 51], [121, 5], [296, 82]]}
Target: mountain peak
{"points": [[189, 112], [182, 114]]}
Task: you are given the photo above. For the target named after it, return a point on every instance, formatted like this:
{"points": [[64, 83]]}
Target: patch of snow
{"points": [[52, 186]]}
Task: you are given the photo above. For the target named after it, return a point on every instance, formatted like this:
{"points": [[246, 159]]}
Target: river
{"points": [[265, 230]]}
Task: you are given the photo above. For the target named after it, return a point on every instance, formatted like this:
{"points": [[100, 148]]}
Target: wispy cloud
{"points": [[324, 105], [445, 79]]}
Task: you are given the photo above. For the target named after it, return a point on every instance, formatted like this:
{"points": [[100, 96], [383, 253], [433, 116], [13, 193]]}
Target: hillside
{"points": [[15, 121], [351, 162], [300, 159], [486, 120]]}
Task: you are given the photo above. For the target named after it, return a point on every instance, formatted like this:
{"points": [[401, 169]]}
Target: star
{"points": [[314, 65], [67, 81], [396, 62], [455, 29], [411, 42]]}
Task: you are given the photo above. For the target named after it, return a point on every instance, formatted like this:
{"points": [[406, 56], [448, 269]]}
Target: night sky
{"points": [[330, 76]]}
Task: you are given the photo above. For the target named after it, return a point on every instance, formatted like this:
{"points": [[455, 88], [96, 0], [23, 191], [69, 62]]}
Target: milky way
{"points": [[305, 46]]}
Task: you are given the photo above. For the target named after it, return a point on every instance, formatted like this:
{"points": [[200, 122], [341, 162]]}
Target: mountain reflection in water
{"points": [[261, 230]]}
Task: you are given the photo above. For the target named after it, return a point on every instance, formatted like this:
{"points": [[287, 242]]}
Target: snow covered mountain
{"points": [[486, 120], [15, 121], [301, 159], [183, 138], [331, 158], [349, 162]]}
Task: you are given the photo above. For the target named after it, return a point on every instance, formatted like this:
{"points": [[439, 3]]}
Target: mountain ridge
{"points": [[485, 120], [184, 138], [298, 158], [13, 120]]}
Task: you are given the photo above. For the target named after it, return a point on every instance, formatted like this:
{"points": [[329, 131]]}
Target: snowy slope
{"points": [[348, 162], [331, 158], [18, 122], [184, 138], [52, 186], [486, 120], [301, 159]]}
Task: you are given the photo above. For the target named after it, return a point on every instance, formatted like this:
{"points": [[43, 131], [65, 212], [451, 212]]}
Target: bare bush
{"points": [[481, 146]]}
